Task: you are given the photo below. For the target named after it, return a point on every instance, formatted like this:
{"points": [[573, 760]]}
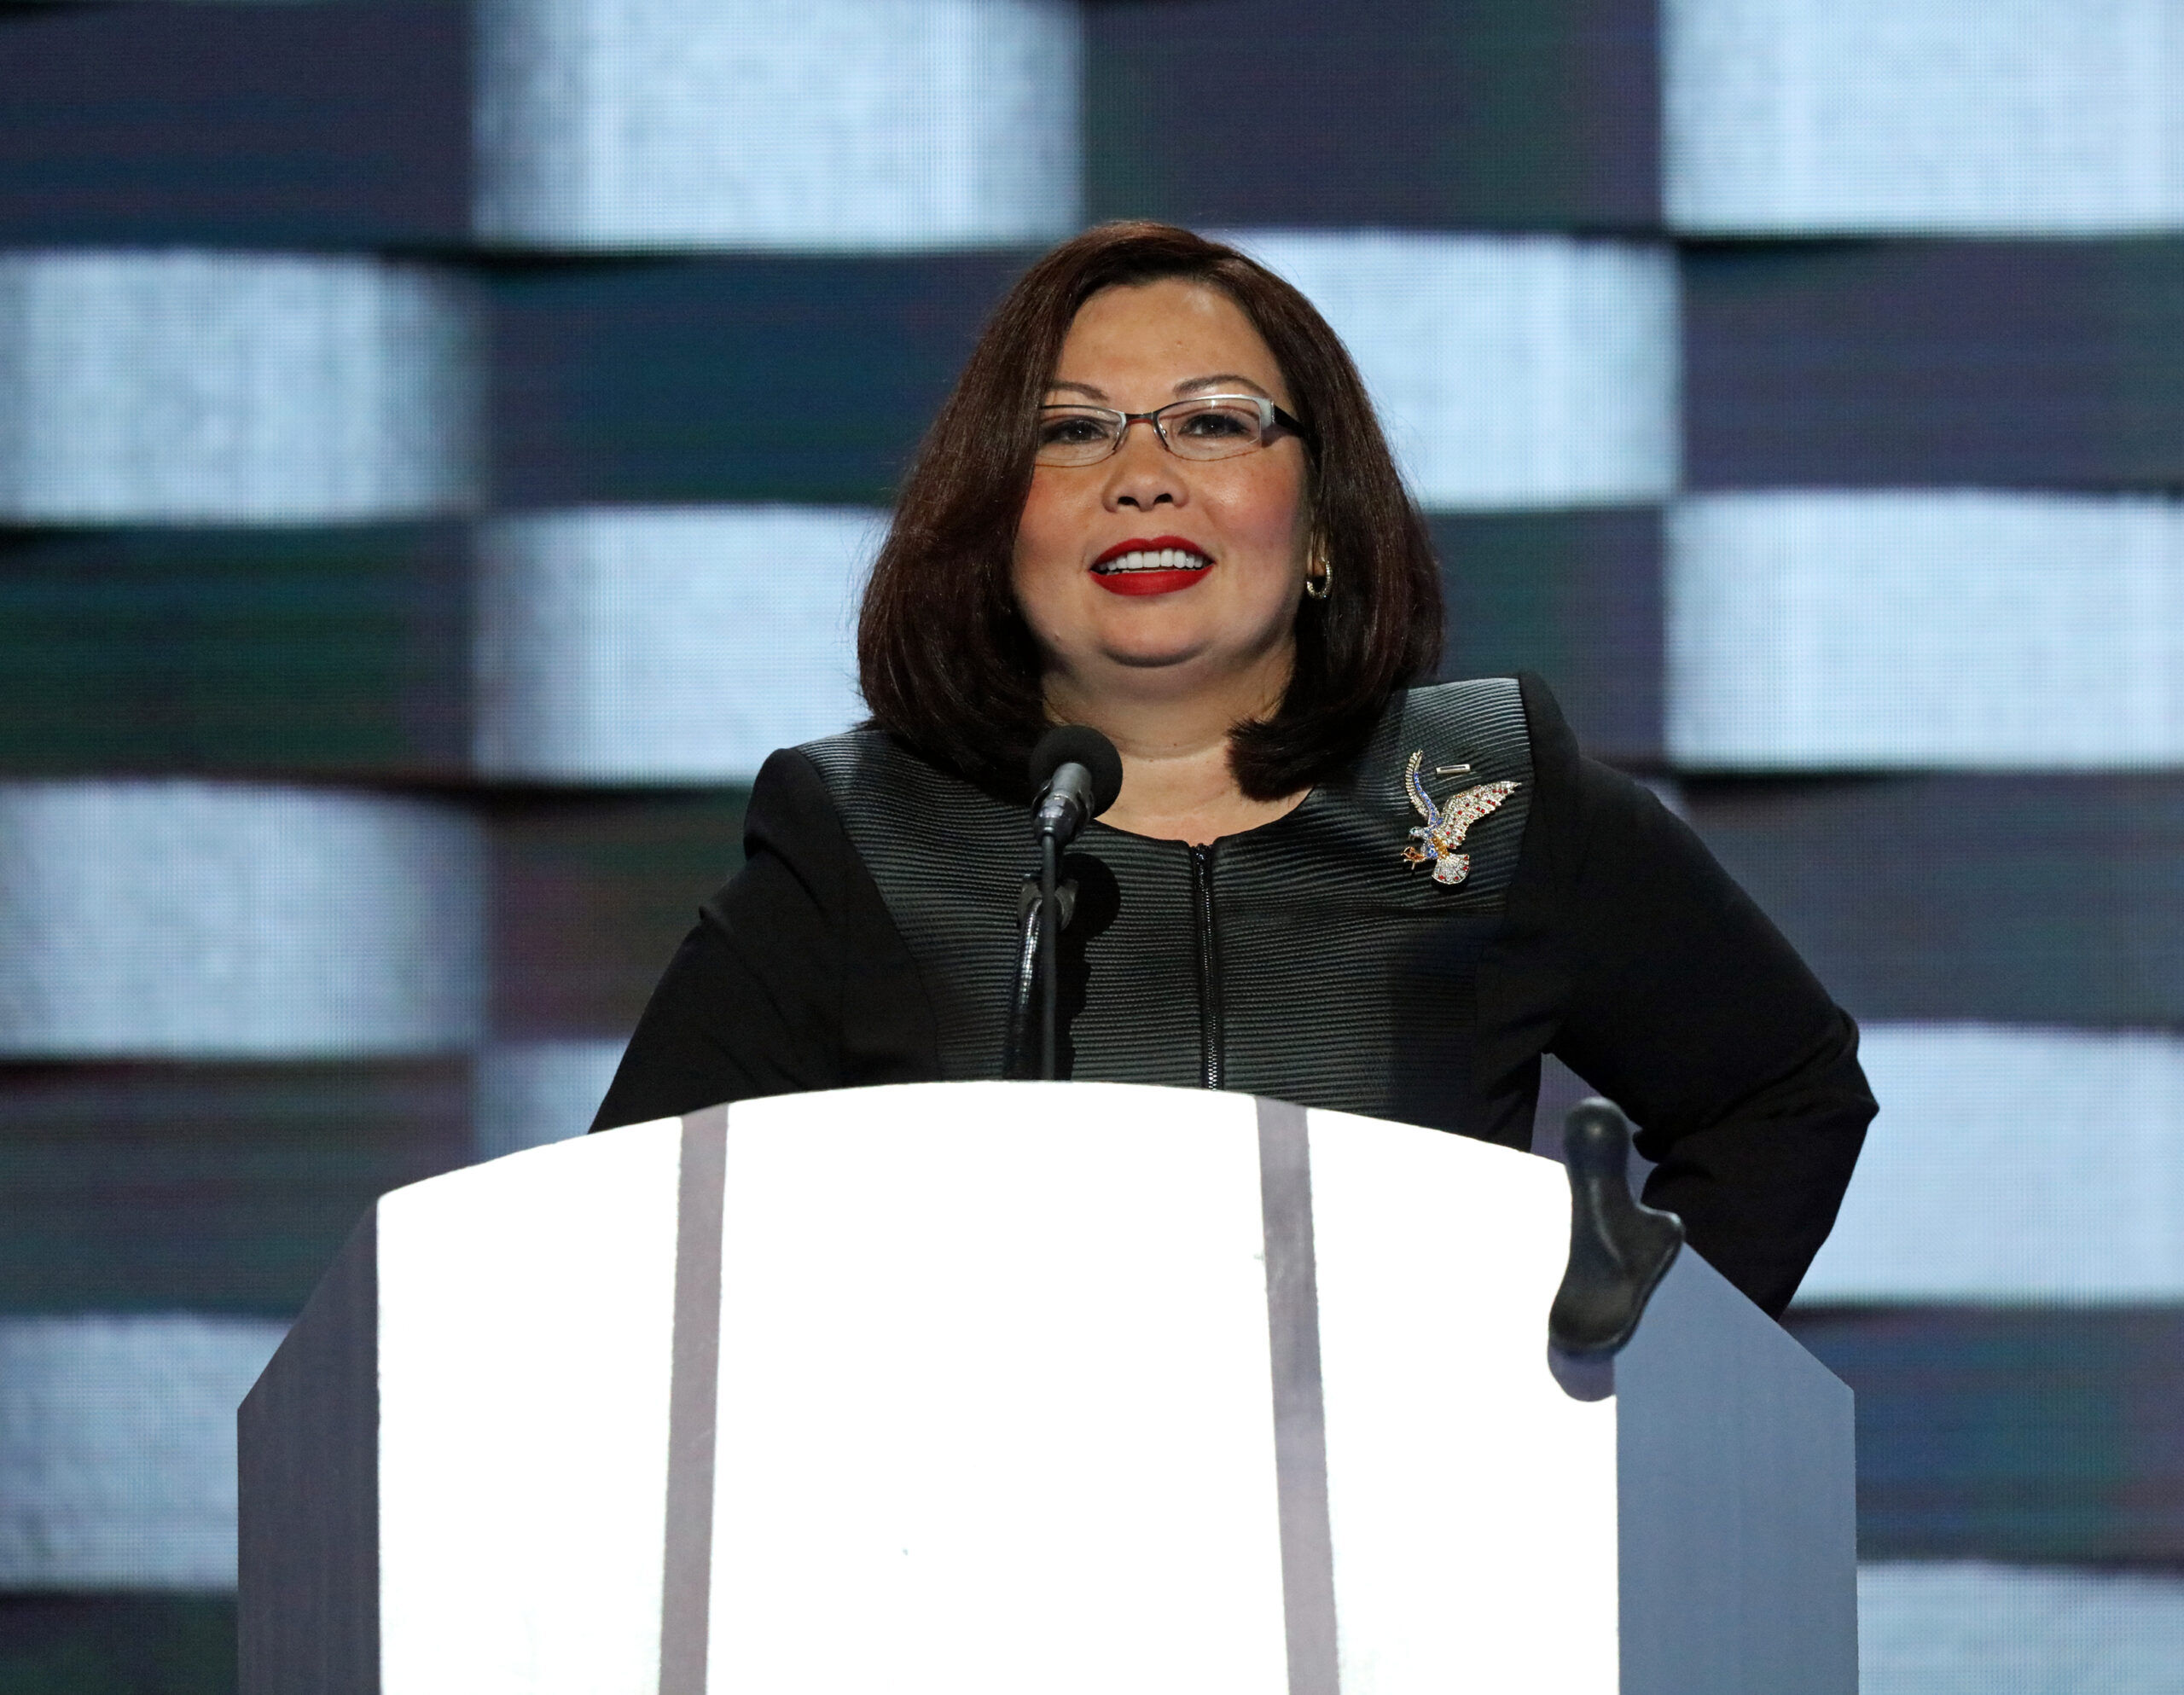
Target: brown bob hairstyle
{"points": [[947, 663]]}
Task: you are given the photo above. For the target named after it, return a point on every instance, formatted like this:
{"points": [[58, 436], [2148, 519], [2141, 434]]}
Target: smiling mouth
{"points": [[1151, 559], [1157, 565]]}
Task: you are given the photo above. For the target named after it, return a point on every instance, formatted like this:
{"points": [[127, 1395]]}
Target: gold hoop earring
{"points": [[1320, 583]]}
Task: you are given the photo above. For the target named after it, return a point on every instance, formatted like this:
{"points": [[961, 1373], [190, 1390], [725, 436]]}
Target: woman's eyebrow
{"points": [[1220, 378]]}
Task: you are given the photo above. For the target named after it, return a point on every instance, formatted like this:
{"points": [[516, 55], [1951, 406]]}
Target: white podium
{"points": [[1026, 1388]]}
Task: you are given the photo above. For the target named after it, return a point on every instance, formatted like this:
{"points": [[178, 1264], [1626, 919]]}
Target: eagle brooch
{"points": [[1446, 826]]}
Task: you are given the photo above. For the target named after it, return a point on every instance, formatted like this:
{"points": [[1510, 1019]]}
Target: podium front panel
{"points": [[525, 1316], [1004, 1383], [1474, 1501]]}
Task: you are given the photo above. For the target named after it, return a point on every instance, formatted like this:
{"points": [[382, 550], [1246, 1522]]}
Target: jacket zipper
{"points": [[1209, 968]]}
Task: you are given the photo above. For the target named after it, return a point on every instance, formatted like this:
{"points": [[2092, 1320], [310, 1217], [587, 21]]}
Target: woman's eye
{"points": [[1220, 425], [1055, 431]]}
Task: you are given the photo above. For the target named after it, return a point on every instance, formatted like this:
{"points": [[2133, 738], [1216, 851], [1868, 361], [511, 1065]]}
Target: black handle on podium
{"points": [[1619, 1249]]}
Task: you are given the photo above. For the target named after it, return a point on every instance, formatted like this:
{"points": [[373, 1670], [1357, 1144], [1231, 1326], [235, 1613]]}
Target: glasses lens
{"points": [[1213, 428], [1075, 435]]}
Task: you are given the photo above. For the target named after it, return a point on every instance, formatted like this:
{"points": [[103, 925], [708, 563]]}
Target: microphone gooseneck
{"points": [[1078, 774]]}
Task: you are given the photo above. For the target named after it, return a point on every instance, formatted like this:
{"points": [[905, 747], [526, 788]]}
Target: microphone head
{"points": [[1080, 745]]}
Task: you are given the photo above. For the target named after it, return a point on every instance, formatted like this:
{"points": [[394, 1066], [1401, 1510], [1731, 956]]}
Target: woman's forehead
{"points": [[1155, 341]]}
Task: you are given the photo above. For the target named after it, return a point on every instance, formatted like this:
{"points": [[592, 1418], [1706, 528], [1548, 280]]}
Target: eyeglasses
{"points": [[1205, 427]]}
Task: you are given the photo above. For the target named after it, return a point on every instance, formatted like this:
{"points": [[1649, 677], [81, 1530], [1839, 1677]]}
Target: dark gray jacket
{"points": [[873, 937]]}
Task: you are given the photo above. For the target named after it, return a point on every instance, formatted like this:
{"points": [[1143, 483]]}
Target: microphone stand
{"points": [[1063, 807], [1049, 952], [1018, 1059], [1079, 773]]}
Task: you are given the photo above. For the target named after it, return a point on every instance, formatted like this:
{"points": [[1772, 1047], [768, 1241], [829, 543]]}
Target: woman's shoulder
{"points": [[1485, 710], [902, 813], [860, 805], [840, 760], [813, 794], [864, 767], [1514, 721]]}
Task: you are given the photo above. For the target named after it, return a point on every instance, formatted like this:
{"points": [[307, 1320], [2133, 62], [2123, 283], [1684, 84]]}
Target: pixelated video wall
{"points": [[440, 444]]}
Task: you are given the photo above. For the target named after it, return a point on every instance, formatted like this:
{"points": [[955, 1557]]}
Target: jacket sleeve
{"points": [[793, 978], [1689, 1008]]}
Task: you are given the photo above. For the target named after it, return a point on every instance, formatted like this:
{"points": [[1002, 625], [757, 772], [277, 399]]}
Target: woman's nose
{"points": [[1143, 473]]}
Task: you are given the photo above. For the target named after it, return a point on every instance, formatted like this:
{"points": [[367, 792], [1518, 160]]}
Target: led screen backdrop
{"points": [[440, 444]]}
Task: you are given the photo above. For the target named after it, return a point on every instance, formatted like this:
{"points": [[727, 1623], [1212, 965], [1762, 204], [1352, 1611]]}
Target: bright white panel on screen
{"points": [[1961, 1628], [118, 1449], [2032, 117], [897, 125], [1509, 371], [1902, 629], [203, 920], [1424, 1296], [233, 388], [1081, 1301], [527, 1093], [2014, 1164], [666, 644], [526, 1307]]}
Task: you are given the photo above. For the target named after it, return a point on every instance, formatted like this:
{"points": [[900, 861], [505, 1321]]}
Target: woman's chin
{"points": [[1171, 641], [1186, 661], [1155, 657]]}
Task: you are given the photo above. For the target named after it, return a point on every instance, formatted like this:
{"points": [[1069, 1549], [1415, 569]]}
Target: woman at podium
{"points": [[1158, 503]]}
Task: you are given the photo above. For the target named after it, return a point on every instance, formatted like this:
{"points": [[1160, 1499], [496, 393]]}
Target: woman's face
{"points": [[1240, 524]]}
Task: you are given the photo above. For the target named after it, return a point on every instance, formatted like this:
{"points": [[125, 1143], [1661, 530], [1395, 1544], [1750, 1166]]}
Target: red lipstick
{"points": [[1138, 567]]}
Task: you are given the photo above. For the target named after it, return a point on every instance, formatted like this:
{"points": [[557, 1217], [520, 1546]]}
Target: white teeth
{"points": [[1163, 559]]}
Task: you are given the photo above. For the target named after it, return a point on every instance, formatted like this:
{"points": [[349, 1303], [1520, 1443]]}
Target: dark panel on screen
{"points": [[591, 896], [2043, 1436], [794, 380], [1573, 595], [252, 125], [207, 1187], [1926, 362], [117, 1645], [2034, 899], [1392, 114], [315, 650]]}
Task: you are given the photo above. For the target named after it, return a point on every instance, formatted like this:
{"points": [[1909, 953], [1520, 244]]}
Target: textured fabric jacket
{"points": [[874, 936]]}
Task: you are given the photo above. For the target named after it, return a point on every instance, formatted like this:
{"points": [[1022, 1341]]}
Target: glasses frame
{"points": [[1274, 423]]}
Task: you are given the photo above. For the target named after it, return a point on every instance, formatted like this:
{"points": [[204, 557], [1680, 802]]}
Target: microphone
{"points": [[1078, 774]]}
